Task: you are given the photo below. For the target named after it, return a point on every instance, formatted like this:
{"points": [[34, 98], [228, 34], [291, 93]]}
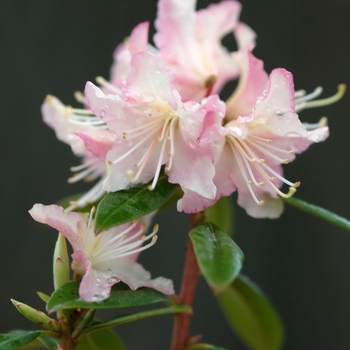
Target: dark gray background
{"points": [[302, 263]]}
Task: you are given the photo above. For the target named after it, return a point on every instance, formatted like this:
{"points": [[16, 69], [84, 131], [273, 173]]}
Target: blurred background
{"points": [[302, 263]]}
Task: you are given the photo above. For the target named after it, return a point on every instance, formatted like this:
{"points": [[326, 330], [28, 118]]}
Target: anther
{"points": [[79, 97]]}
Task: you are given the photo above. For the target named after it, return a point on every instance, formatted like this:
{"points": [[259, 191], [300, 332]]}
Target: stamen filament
{"points": [[171, 139], [144, 160], [79, 97], [327, 101], [317, 92], [159, 165], [131, 150]]}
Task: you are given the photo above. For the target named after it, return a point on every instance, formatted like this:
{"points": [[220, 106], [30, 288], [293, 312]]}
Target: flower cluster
{"points": [[161, 109], [161, 112]]}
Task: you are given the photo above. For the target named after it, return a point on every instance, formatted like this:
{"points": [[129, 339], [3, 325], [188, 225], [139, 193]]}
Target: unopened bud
{"points": [[44, 297], [60, 263], [37, 316]]}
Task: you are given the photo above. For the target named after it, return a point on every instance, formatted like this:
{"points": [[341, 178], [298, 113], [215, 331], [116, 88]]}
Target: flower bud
{"points": [[60, 263], [37, 316]]}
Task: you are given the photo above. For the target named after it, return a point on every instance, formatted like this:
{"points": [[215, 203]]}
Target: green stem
{"points": [[49, 334], [88, 317], [319, 212], [129, 318]]}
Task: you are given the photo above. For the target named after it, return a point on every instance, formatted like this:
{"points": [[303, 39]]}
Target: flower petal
{"points": [[69, 224], [135, 276]]}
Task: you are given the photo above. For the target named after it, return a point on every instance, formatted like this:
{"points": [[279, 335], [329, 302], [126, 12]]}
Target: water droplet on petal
{"points": [[112, 280], [97, 297], [102, 114], [106, 105]]}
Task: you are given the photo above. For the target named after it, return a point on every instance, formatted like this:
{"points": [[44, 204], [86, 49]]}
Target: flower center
{"points": [[157, 131], [123, 243]]}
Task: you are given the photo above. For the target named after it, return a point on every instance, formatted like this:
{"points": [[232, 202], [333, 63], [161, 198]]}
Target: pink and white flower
{"points": [[154, 128], [105, 259], [263, 132], [76, 127], [189, 44]]}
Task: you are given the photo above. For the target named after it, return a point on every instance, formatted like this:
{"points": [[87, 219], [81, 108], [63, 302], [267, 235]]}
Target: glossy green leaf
{"points": [[67, 297], [49, 343], [251, 315], [104, 339], [138, 316], [16, 339], [221, 214], [219, 258], [119, 207], [203, 347], [319, 212]]}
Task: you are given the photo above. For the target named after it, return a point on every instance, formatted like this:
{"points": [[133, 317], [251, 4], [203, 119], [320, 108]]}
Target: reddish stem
{"points": [[188, 287]]}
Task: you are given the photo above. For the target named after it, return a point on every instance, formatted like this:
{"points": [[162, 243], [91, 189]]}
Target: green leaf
{"points": [[104, 339], [251, 315], [119, 207], [49, 343], [221, 214], [319, 212], [219, 258], [67, 297], [41, 343], [203, 347], [138, 316], [16, 339]]}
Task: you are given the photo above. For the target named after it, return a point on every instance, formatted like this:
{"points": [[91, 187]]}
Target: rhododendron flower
{"points": [[105, 259], [68, 124], [189, 44], [154, 128], [263, 133]]}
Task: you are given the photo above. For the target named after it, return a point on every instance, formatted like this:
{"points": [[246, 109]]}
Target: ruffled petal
{"points": [[252, 82], [69, 224], [135, 276]]}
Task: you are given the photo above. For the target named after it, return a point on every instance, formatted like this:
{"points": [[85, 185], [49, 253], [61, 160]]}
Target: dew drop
{"points": [[102, 114], [106, 105], [97, 297]]}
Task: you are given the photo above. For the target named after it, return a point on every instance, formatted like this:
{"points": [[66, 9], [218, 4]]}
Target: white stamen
{"points": [[79, 97], [317, 92], [323, 102], [312, 126], [247, 160]]}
